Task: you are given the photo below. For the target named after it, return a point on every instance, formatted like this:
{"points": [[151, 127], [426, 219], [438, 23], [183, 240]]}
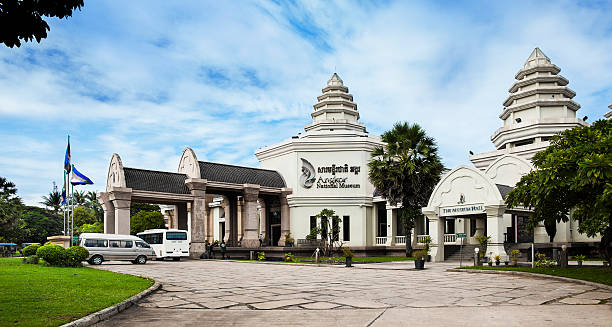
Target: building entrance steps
{"points": [[452, 252]]}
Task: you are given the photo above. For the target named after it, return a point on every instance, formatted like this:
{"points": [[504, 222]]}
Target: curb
{"points": [[533, 275], [113, 310]]}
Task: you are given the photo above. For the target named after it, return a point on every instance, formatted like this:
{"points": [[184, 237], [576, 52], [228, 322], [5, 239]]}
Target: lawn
{"points": [[37, 295], [597, 274]]}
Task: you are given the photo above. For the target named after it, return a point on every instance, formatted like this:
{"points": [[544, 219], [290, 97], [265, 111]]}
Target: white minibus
{"points": [[104, 247], [167, 243]]}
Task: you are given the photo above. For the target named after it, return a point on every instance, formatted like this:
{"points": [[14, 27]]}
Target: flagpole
{"points": [[64, 205]]}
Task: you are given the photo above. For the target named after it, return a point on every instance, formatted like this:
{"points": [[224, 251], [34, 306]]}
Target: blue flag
{"points": [[78, 178], [67, 158], [64, 192]]}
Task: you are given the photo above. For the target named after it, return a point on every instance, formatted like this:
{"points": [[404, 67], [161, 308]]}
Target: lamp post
{"points": [[476, 257]]}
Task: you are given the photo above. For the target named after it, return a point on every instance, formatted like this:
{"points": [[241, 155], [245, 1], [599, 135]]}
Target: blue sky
{"points": [[146, 78]]}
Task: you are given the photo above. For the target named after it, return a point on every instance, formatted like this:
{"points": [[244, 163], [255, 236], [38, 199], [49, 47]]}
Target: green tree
{"points": [[79, 198], [36, 224], [137, 207], [23, 19], [405, 172], [83, 216], [93, 204], [146, 220], [97, 227], [53, 200], [573, 175], [10, 209], [329, 229]]}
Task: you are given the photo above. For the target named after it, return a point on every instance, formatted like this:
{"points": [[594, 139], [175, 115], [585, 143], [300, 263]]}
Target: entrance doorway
{"points": [[275, 233]]}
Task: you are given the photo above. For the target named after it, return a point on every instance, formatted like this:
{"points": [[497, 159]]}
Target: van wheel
{"points": [[177, 259], [96, 260], [141, 260]]}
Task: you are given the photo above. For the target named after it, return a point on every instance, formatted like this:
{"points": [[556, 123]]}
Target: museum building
{"points": [[325, 167]]}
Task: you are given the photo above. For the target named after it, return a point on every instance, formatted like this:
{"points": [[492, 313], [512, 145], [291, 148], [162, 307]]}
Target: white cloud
{"points": [[229, 77]]}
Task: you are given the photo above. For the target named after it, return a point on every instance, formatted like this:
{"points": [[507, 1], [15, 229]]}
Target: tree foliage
{"points": [[137, 207], [10, 209], [406, 171], [36, 224], [329, 229], [146, 220], [23, 19], [574, 174], [53, 201], [83, 215]]}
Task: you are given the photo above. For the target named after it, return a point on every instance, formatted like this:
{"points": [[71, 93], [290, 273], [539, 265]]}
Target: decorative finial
{"points": [[335, 81]]}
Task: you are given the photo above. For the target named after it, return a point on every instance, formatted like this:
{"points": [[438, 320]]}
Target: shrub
{"points": [[515, 254], [497, 257], [289, 257], [30, 250], [261, 256], [543, 262], [483, 241], [31, 259], [580, 257], [77, 254], [426, 241], [53, 254], [420, 255], [347, 252]]}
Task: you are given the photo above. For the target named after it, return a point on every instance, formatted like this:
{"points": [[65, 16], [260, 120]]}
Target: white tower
{"points": [[539, 105]]}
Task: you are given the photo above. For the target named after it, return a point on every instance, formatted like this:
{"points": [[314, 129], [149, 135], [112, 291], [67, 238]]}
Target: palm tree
{"points": [[53, 200], [406, 171], [79, 198]]}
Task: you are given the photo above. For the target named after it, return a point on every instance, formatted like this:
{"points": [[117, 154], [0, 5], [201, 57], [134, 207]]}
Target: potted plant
{"points": [[348, 256], [483, 240], [426, 241], [490, 261], [419, 259], [580, 258], [497, 258], [289, 241], [288, 257], [515, 255]]}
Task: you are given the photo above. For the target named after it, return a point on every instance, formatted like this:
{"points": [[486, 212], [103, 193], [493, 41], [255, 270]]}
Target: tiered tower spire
{"points": [[539, 105], [335, 109]]}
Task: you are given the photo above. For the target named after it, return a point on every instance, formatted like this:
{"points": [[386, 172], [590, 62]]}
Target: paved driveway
{"points": [[235, 293]]}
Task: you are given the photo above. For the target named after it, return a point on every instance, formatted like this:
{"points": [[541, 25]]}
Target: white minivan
{"points": [[167, 243], [104, 247]]}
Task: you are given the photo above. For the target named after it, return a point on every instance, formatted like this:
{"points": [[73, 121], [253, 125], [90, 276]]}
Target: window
{"points": [[156, 238], [346, 228], [313, 223], [142, 245], [120, 244], [176, 236], [472, 227], [336, 228], [323, 227], [95, 243]]}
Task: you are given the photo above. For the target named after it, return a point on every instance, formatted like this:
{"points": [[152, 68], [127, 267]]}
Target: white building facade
{"points": [[326, 167], [470, 200]]}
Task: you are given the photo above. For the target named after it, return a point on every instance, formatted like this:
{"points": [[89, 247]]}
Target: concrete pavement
{"points": [[198, 292]]}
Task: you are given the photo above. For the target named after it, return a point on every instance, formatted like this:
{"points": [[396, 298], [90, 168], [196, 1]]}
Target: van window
{"points": [[120, 244], [176, 236], [142, 245], [89, 243]]}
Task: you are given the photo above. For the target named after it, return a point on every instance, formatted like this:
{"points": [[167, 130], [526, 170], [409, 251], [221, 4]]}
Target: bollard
{"points": [[563, 256], [317, 258], [251, 255]]}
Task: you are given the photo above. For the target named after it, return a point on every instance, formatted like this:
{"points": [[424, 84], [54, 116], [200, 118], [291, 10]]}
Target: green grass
{"points": [[596, 274], [38, 295]]}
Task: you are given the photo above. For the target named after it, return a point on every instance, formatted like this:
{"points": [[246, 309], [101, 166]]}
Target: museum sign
{"points": [[308, 178]]}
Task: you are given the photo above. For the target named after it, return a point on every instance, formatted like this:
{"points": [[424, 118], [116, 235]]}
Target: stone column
{"points": [[263, 223], [285, 215], [436, 232], [109, 212], [121, 198], [250, 238], [496, 229], [391, 228], [197, 186]]}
